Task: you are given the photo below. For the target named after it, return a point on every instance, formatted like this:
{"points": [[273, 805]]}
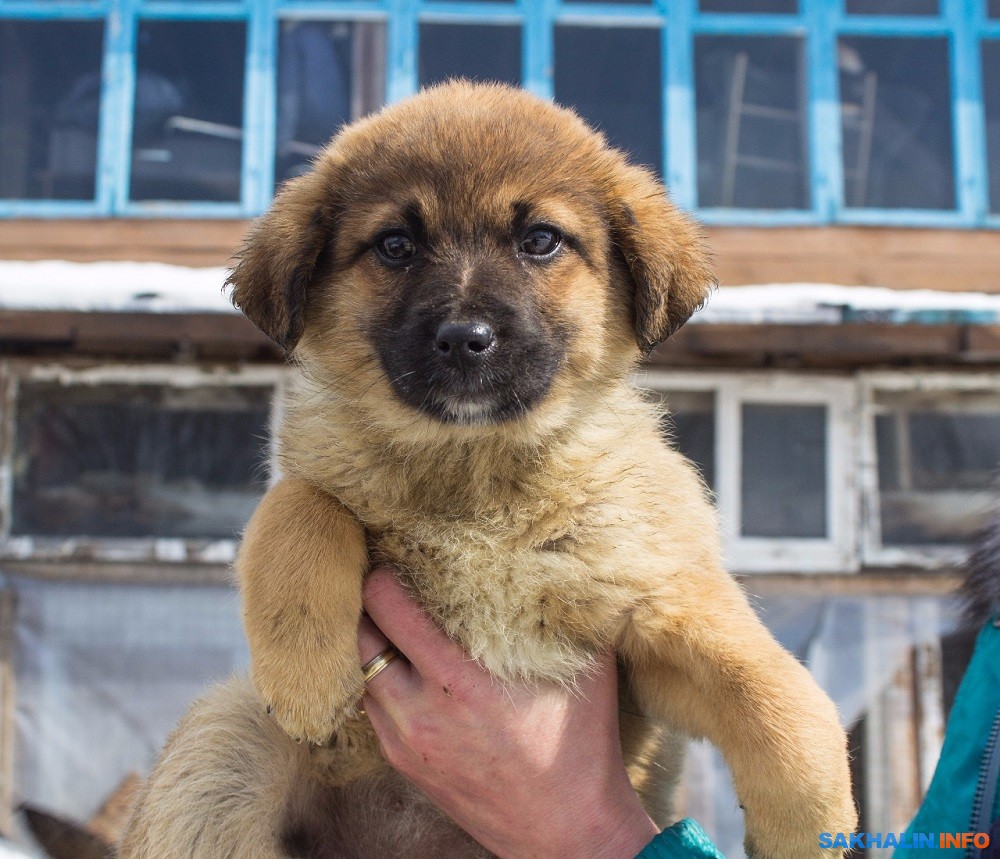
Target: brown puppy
{"points": [[465, 281]]}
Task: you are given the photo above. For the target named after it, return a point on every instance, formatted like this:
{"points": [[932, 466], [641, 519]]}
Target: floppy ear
{"points": [[276, 265], [670, 268]]}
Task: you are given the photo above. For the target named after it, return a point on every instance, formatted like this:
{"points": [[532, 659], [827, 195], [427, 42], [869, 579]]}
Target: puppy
{"points": [[465, 281]]}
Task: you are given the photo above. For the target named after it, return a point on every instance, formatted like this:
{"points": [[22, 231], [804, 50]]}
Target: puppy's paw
{"points": [[309, 699], [829, 811]]}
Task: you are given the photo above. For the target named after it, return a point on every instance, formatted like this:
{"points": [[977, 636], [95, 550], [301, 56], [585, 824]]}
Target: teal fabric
{"points": [[684, 840], [948, 804]]}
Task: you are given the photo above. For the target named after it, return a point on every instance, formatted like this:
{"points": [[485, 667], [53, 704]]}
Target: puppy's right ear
{"points": [[275, 268]]}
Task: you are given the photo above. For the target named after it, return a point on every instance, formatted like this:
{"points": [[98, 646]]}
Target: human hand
{"points": [[526, 769]]}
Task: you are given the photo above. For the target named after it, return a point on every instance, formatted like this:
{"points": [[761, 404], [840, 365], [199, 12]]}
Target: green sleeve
{"points": [[684, 840]]}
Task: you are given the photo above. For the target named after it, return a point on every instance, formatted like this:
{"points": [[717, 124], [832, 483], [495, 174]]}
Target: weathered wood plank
{"points": [[964, 260]]}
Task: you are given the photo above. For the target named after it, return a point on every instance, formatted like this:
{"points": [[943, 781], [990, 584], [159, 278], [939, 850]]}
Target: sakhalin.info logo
{"points": [[910, 840]]}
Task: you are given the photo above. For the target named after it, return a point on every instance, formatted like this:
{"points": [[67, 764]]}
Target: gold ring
{"points": [[374, 666]]}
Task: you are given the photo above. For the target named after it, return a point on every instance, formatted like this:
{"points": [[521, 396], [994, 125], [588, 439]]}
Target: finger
{"points": [[385, 729], [405, 622], [395, 678]]}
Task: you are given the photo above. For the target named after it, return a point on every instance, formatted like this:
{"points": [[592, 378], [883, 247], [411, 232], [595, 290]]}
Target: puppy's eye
{"points": [[395, 248], [541, 242]]}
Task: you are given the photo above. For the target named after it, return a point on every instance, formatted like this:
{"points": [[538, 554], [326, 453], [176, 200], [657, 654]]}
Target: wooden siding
{"points": [[899, 258]]}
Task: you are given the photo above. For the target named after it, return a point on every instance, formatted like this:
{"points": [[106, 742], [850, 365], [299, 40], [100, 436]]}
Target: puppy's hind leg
{"points": [[223, 786]]}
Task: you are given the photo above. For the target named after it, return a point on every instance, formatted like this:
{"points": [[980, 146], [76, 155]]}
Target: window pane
{"points": [[991, 105], [50, 92], [750, 6], [994, 9], [474, 51], [691, 428], [629, 2], [187, 138], [751, 122], [936, 470], [892, 7], [138, 461], [611, 77], [896, 121], [329, 73], [784, 471]]}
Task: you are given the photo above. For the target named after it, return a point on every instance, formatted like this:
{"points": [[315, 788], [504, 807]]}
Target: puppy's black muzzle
{"points": [[476, 358]]}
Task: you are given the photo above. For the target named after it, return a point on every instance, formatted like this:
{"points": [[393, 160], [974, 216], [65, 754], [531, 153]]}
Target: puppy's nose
{"points": [[464, 342]]}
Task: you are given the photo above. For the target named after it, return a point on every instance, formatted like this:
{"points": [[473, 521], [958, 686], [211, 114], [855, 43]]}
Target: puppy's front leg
{"points": [[300, 568], [703, 662]]}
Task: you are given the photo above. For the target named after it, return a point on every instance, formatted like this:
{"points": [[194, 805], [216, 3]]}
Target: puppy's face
{"points": [[473, 256]]}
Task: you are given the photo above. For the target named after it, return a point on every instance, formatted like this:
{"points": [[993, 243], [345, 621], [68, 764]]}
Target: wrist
{"points": [[618, 827]]}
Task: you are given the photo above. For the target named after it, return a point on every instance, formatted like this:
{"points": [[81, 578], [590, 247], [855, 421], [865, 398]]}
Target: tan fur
{"points": [[533, 542]]}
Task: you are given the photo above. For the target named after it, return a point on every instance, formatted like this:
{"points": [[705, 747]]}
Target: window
{"points": [[690, 425], [783, 479], [892, 7], [896, 123], [50, 89], [770, 112], [991, 105], [599, 72], [136, 464], [755, 7], [776, 450], [187, 127], [936, 448], [482, 53], [751, 122], [329, 73]]}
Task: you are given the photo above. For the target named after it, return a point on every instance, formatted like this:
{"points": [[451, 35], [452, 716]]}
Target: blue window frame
{"points": [[714, 82]]}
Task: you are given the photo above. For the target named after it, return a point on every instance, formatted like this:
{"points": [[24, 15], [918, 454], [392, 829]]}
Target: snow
{"points": [[820, 303], [128, 287], [159, 288]]}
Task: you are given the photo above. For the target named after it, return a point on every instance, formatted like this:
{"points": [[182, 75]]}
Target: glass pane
{"points": [[896, 122], [936, 471], [138, 461], [187, 138], [329, 73], [478, 52], [750, 98], [991, 105], [611, 77], [690, 426], [892, 7], [627, 2], [784, 471], [50, 94], [751, 7], [993, 10]]}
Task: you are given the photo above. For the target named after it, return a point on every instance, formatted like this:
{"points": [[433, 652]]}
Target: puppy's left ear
{"points": [[274, 273], [670, 268]]}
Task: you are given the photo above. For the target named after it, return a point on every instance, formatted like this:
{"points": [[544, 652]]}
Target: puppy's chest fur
{"points": [[530, 560]]}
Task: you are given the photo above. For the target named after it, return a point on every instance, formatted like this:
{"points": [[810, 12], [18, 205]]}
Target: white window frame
{"points": [[870, 385], [837, 552], [100, 549]]}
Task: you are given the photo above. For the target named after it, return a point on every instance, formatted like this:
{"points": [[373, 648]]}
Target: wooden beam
{"points": [[954, 260], [964, 260], [153, 335], [856, 344]]}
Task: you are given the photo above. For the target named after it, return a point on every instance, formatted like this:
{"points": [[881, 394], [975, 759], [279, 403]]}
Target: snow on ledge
{"points": [[144, 287], [821, 303], [126, 287]]}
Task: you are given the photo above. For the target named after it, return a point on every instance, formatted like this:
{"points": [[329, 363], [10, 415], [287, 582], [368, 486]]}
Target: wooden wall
{"points": [[900, 258]]}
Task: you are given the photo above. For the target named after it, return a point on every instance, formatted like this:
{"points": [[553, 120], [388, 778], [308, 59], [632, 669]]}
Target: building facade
{"points": [[841, 393]]}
